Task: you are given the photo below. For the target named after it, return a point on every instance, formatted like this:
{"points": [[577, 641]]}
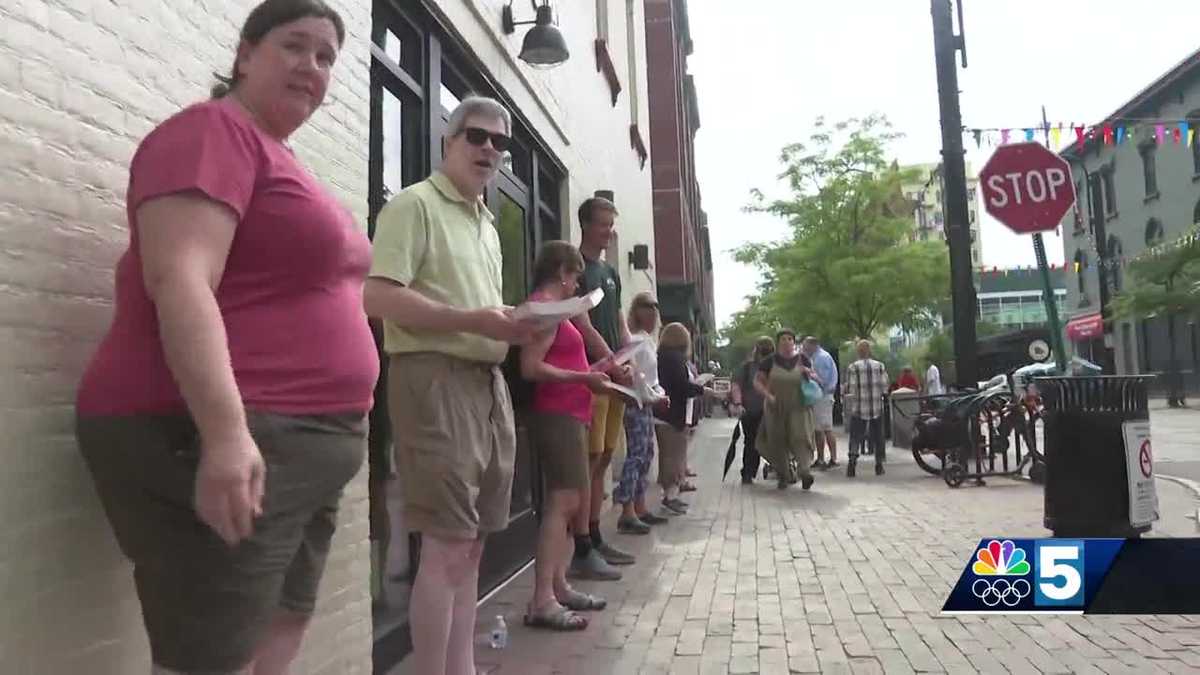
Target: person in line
{"points": [[225, 409], [933, 380], [827, 371], [786, 434], [435, 281], [906, 380], [562, 405], [630, 491], [695, 412], [604, 331], [866, 383], [674, 350], [748, 404]]}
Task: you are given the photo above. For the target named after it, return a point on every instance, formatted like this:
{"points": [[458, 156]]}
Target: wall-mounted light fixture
{"points": [[544, 46]]}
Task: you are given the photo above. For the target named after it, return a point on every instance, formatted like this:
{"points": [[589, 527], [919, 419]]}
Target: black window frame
{"points": [[1149, 154]]}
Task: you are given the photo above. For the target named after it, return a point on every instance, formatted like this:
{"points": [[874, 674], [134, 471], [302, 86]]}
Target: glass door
{"points": [[507, 551]]}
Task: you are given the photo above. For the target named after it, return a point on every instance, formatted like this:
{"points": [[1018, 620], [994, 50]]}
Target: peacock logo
{"points": [[1000, 558]]}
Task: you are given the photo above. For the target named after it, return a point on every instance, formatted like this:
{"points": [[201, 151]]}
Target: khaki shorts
{"points": [[560, 442], [672, 454], [206, 606], [608, 425], [452, 424], [823, 414]]}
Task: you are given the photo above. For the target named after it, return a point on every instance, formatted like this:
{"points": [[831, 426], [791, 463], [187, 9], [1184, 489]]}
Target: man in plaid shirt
{"points": [[865, 384]]}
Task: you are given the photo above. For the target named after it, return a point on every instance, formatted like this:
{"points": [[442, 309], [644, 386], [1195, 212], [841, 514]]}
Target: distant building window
{"points": [[1115, 253], [1081, 262], [1149, 169], [1154, 232], [1110, 190]]}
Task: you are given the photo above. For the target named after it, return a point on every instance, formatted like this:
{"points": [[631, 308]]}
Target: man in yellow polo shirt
{"points": [[435, 281]]}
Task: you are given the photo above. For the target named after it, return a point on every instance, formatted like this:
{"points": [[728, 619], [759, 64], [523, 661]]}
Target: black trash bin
{"points": [[1087, 489]]}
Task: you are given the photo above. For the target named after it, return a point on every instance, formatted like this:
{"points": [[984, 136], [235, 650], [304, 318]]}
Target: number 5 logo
{"points": [[1059, 573]]}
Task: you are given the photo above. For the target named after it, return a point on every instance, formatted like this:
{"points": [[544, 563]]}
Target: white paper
{"points": [[1139, 467], [623, 355], [624, 392], [551, 313]]}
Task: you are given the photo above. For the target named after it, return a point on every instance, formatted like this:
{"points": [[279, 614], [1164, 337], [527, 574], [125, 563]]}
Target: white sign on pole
{"points": [[1139, 467]]}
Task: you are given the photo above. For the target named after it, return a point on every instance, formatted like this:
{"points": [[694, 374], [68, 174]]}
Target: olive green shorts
{"points": [[206, 605], [561, 444]]}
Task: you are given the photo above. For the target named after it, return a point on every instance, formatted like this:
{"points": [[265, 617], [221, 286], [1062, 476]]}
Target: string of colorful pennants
{"points": [[1189, 239], [1179, 132], [1027, 270]]}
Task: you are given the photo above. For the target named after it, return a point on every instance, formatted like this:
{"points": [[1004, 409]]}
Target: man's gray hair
{"points": [[477, 106]]}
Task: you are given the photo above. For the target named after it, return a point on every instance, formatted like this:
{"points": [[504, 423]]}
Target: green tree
{"points": [[849, 267], [1166, 283]]}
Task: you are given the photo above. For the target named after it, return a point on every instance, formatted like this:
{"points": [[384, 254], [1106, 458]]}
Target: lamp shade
{"points": [[544, 44]]}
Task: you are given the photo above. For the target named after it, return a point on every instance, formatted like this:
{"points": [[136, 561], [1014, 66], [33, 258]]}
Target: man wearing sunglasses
{"points": [[435, 280]]}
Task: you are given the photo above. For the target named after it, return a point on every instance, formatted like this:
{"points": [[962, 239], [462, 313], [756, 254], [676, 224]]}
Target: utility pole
{"points": [[954, 176]]}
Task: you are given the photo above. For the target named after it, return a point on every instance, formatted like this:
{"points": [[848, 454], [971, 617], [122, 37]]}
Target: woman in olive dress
{"points": [[785, 438]]}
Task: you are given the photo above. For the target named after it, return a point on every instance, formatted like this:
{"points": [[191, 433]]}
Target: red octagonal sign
{"points": [[1027, 187]]}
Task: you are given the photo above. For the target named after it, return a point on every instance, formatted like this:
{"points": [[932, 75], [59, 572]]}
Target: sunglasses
{"points": [[477, 136]]}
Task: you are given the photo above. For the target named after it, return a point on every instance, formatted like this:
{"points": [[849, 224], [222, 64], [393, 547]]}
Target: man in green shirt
{"points": [[604, 332], [435, 281]]}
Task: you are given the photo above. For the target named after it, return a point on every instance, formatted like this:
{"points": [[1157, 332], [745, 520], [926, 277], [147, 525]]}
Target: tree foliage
{"points": [[1166, 281], [849, 266]]}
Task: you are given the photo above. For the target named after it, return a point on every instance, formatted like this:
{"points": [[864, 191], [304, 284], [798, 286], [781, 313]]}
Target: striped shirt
{"points": [[866, 383]]}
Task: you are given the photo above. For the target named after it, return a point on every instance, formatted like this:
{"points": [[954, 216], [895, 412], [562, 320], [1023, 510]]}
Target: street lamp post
{"points": [[958, 228]]}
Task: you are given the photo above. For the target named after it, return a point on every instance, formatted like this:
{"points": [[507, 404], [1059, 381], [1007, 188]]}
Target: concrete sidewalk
{"points": [[847, 578]]}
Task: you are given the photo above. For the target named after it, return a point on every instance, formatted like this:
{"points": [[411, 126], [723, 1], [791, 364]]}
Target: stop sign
{"points": [[1027, 187]]}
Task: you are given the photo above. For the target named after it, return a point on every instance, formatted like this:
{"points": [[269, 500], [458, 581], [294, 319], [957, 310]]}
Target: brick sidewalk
{"points": [[847, 578]]}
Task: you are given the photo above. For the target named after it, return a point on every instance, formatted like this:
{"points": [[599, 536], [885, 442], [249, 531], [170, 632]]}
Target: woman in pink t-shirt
{"points": [[225, 409], [562, 405]]}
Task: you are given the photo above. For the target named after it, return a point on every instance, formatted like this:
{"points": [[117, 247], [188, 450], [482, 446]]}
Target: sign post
{"points": [[1029, 189]]}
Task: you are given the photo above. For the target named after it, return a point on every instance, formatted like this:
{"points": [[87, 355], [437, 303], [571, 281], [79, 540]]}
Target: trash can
{"points": [[905, 406], [1087, 480]]}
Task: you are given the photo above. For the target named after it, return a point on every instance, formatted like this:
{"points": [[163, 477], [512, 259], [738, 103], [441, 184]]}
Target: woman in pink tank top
{"points": [[562, 405]]}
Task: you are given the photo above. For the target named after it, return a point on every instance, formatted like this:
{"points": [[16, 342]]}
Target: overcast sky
{"points": [[765, 69]]}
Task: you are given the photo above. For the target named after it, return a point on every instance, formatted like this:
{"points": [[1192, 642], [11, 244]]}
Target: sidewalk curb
{"points": [[1190, 485]]}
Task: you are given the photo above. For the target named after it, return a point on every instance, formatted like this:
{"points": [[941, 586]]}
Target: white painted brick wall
{"points": [[81, 81]]}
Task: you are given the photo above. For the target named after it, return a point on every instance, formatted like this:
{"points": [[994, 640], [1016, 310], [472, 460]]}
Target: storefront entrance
{"points": [[418, 75]]}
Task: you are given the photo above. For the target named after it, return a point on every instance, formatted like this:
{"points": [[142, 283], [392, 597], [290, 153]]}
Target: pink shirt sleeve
{"points": [[204, 148]]}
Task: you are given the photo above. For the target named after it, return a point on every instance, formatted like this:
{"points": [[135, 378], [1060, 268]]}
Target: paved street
{"points": [[848, 578], [1176, 440]]}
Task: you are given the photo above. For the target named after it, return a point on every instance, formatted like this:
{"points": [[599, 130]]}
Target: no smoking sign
{"points": [[1145, 459]]}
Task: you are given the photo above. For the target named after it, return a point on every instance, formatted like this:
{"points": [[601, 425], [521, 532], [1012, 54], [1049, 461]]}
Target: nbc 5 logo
{"points": [[1059, 565]]}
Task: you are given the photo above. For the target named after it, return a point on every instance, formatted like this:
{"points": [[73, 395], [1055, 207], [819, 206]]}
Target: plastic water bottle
{"points": [[499, 634]]}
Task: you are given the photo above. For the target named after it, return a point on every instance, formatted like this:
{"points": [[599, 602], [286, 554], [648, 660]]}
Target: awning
{"points": [[1085, 327]]}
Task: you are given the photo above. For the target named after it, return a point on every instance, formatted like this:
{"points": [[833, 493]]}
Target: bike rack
{"points": [[955, 466]]}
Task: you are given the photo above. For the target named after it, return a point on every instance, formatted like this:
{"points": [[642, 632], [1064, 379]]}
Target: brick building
{"points": [[82, 82], [683, 260]]}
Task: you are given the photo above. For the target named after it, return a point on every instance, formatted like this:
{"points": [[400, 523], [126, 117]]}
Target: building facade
{"points": [[1132, 196], [927, 196], [683, 259], [82, 83]]}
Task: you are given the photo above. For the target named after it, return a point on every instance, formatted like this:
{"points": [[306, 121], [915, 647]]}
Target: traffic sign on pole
{"points": [[1027, 187]]}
